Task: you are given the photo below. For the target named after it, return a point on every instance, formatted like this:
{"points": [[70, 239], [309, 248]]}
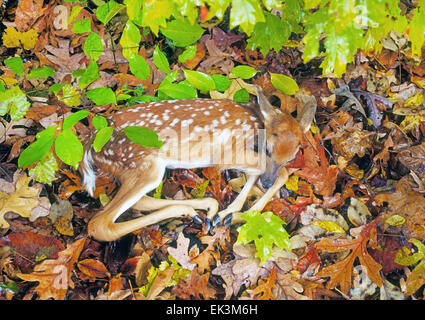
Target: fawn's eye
{"points": [[275, 135]]}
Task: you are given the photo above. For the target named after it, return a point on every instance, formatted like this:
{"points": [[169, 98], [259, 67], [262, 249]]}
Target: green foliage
{"points": [[39, 148], [102, 137], [182, 32], [82, 26], [14, 102], [143, 137], [160, 60], [102, 96], [45, 170], [188, 54], [43, 72], [244, 72], [93, 47], [139, 67], [199, 80], [222, 83], [266, 230], [284, 83], [15, 64]]}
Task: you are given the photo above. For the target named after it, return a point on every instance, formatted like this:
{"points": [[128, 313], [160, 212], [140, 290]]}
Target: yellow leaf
{"points": [[11, 38], [329, 226], [395, 220], [29, 39], [355, 172], [70, 96], [414, 101], [22, 201], [292, 183]]}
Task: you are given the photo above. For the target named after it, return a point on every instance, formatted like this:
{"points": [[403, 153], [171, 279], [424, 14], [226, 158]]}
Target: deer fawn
{"points": [[195, 133]]}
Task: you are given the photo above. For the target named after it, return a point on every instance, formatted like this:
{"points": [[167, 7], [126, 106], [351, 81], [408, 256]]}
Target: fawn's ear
{"points": [[307, 112], [267, 109]]}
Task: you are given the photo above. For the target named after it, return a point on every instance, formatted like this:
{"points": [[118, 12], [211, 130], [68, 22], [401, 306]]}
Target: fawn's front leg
{"points": [[281, 179], [238, 203]]}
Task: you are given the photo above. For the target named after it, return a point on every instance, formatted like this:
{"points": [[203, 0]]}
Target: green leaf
{"points": [[199, 80], [93, 47], [271, 34], [42, 72], [37, 149], [178, 91], [158, 191], [82, 26], [222, 83], [2, 88], [15, 102], [102, 137], [244, 72], [241, 96], [139, 67], [108, 10], [74, 13], [102, 96], [246, 13], [417, 29], [90, 74], [182, 32], [72, 119], [130, 40], [160, 60], [188, 54], [15, 64], [68, 148], [266, 230], [143, 136], [134, 10], [199, 191], [45, 170], [99, 122], [56, 87], [284, 83]]}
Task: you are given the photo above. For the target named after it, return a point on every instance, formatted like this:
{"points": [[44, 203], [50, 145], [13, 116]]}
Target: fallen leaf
{"points": [[93, 269], [340, 273], [54, 276], [317, 170], [22, 201]]}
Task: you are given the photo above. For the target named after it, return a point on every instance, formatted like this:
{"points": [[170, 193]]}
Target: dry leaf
{"points": [[54, 276], [340, 273], [22, 201]]}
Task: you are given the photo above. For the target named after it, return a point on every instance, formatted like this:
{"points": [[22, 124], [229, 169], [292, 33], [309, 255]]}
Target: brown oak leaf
{"points": [[317, 170], [340, 273], [54, 276]]}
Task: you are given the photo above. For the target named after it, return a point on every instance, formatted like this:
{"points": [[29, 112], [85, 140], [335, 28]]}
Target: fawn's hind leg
{"points": [[147, 203], [103, 226]]}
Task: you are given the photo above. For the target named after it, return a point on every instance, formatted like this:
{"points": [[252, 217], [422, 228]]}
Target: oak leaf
{"points": [[264, 291], [317, 170], [23, 201], [340, 273], [54, 276], [408, 204], [196, 287]]}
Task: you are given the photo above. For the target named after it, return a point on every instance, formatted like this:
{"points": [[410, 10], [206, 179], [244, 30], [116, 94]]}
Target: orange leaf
{"points": [[317, 170], [265, 288], [93, 268], [340, 273], [54, 276]]}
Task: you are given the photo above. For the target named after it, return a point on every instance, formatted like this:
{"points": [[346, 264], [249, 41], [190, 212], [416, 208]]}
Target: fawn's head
{"points": [[283, 134]]}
